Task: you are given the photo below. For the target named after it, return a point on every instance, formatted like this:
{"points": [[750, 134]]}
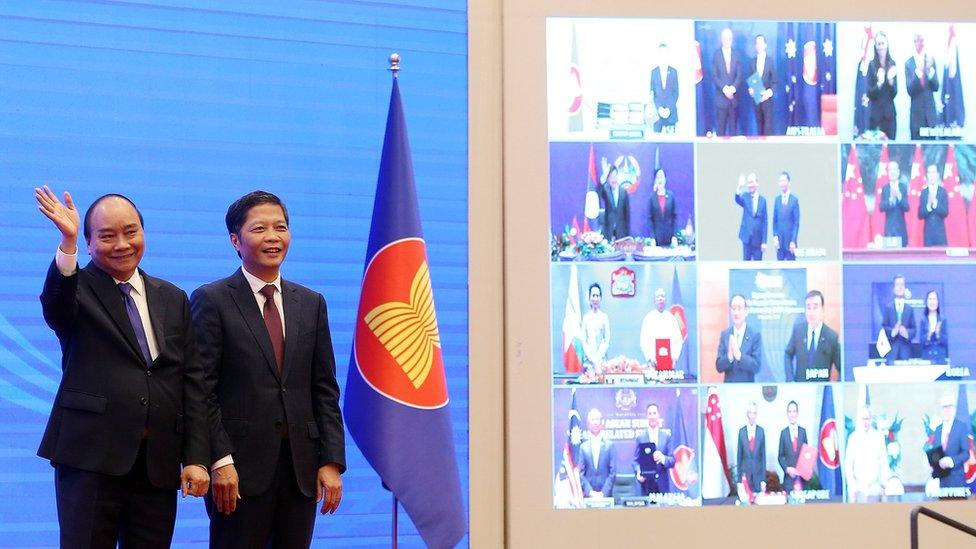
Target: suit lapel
{"points": [[157, 310], [241, 292], [292, 312], [111, 298]]}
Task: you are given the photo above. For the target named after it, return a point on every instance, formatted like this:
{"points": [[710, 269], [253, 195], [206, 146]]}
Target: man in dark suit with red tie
{"points": [[898, 322], [275, 424], [791, 439], [751, 454], [130, 406], [727, 77]]}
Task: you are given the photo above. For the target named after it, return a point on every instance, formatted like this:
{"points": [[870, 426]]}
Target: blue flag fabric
{"points": [[829, 464], [954, 112], [395, 402]]}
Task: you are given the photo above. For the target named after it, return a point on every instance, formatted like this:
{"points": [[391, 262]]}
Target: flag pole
{"points": [[395, 70]]}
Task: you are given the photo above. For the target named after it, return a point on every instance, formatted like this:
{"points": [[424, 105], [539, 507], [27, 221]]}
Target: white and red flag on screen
{"points": [[715, 480]]}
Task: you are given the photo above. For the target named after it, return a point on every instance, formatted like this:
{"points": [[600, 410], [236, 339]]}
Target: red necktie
{"points": [[752, 444], [794, 443], [272, 320]]}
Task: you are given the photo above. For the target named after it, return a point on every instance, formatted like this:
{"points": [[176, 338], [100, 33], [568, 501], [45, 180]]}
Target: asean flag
{"points": [[396, 393]]}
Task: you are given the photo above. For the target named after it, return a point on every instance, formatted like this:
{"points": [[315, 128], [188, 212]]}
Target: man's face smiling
{"points": [[263, 241], [117, 242]]}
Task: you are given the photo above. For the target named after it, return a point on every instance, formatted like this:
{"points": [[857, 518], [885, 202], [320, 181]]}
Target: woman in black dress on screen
{"points": [[932, 333], [882, 82]]}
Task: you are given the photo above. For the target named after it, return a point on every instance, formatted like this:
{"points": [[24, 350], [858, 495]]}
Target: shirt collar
{"points": [[256, 283], [136, 281]]}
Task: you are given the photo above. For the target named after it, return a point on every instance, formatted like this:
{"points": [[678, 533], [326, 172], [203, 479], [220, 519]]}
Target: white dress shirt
{"points": [[68, 265]]}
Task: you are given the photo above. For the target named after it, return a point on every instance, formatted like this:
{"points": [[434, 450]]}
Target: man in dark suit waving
{"points": [[275, 425], [130, 406], [739, 346], [813, 351], [755, 221], [791, 439]]}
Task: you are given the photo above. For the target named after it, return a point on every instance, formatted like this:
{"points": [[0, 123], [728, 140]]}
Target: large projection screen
{"points": [[537, 395]]}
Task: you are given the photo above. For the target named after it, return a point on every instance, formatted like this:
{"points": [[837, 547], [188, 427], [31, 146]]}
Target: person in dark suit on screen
{"points": [[616, 207], [664, 92], [791, 439], [933, 333], [754, 223], [739, 346], [763, 66], [751, 451], [130, 406], [275, 425], [662, 212], [921, 81], [813, 351], [597, 460], [654, 481], [953, 435], [882, 86], [727, 75], [786, 220], [933, 208], [894, 204], [898, 322]]}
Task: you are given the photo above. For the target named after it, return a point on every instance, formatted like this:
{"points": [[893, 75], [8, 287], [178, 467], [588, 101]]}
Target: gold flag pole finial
{"points": [[394, 64]]}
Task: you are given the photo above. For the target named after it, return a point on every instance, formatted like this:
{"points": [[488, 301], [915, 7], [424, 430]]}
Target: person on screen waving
{"points": [[739, 346], [754, 223], [933, 335], [130, 408]]}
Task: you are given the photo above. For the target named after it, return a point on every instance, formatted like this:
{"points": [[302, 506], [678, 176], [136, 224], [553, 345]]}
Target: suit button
{"points": [[148, 373], [278, 424], [144, 401], [283, 390]]}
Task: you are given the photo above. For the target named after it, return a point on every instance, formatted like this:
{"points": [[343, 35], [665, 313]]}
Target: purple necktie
{"points": [[136, 321], [272, 320]]}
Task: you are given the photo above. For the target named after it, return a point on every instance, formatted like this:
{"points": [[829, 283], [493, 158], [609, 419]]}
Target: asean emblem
{"points": [[829, 453], [397, 345], [683, 474]]}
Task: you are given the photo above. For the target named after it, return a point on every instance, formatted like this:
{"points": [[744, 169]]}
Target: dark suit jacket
{"points": [[922, 113], [768, 74], [108, 395], [660, 473], [827, 355], [746, 368], [752, 227], [722, 78], [957, 447], [786, 220], [752, 464], [882, 96], [889, 319], [787, 456], [935, 349], [616, 218], [598, 476], [666, 96], [895, 212], [664, 225], [934, 233], [249, 403]]}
